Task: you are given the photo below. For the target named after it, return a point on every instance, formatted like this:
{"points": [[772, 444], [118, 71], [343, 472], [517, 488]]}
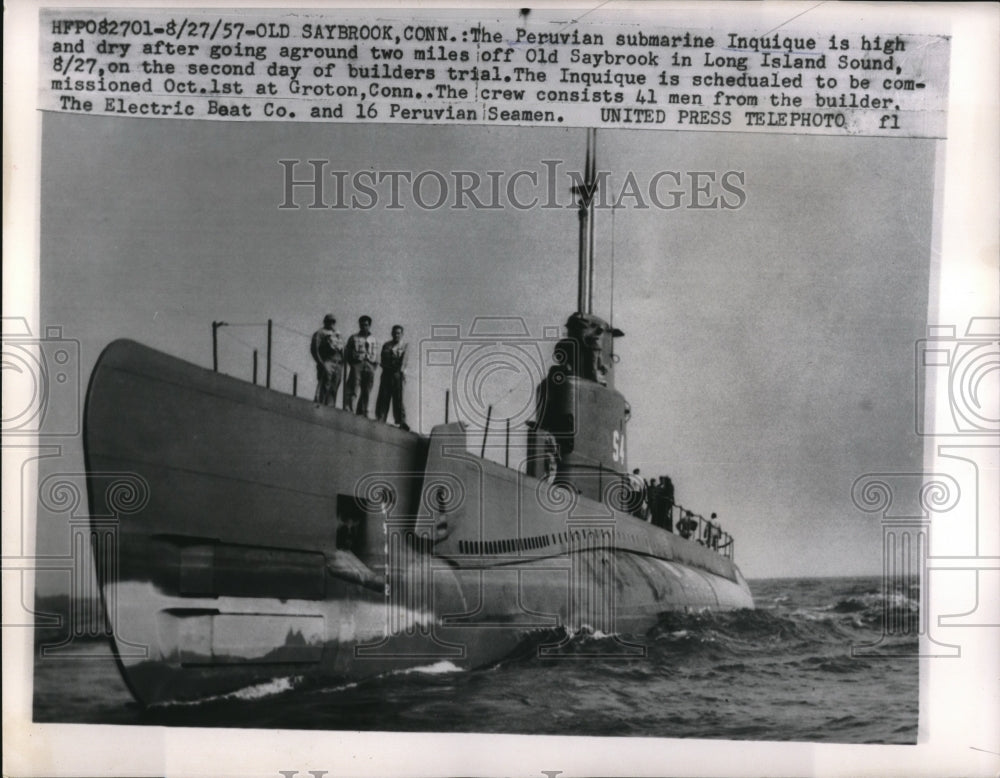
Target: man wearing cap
{"points": [[327, 349], [390, 389], [362, 359]]}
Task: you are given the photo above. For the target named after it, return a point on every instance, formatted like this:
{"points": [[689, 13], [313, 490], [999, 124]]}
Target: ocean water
{"points": [[785, 671]]}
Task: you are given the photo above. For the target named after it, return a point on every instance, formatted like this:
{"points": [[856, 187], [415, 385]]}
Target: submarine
{"points": [[243, 535]]}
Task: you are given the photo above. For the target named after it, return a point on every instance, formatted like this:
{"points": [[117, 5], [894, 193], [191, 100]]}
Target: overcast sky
{"points": [[768, 355]]}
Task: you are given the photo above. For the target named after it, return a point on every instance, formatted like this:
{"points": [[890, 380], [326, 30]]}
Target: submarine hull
{"points": [[242, 536]]}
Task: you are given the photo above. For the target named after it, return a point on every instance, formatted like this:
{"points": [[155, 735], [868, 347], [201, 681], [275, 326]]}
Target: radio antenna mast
{"points": [[585, 192]]}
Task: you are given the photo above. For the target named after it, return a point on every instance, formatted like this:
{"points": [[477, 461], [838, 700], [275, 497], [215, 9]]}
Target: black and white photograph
{"points": [[439, 426]]}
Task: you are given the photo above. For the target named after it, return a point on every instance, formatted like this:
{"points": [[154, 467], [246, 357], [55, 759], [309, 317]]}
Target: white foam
{"points": [[438, 668], [256, 691], [265, 689]]}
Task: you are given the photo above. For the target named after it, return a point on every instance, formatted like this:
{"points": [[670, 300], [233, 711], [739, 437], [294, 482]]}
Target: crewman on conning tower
{"points": [[579, 353]]}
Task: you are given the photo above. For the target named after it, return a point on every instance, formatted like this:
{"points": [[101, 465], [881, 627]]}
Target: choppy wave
{"points": [[788, 670], [818, 636]]}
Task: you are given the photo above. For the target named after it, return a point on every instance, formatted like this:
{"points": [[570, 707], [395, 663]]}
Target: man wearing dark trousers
{"points": [[362, 359], [390, 390]]}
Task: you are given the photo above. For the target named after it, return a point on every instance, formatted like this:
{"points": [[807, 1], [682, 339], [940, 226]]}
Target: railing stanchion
{"points": [[215, 346], [486, 430], [267, 369]]}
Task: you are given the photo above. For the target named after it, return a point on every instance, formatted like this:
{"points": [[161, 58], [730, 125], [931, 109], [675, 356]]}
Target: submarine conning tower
{"points": [[579, 436]]}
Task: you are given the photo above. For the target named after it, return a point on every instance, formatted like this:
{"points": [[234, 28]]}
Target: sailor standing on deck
{"points": [[362, 359], [716, 533], [390, 389], [327, 349], [687, 525], [637, 501], [661, 503]]}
